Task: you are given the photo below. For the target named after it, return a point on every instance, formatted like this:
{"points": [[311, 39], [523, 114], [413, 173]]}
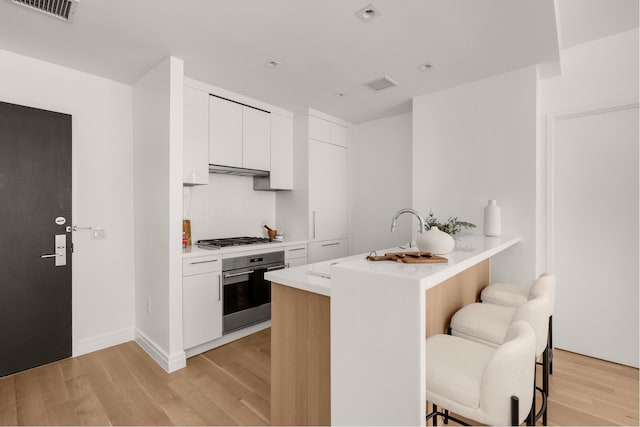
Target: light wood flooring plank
{"points": [[229, 385]]}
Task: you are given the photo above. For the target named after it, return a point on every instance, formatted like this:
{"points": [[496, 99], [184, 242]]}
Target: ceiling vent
{"points": [[380, 84], [61, 9]]}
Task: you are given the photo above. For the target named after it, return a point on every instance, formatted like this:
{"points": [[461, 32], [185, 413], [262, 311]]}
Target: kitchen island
{"points": [[348, 335]]}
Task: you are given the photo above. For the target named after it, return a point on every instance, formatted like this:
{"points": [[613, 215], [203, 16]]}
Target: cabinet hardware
{"points": [[50, 255], [295, 249], [203, 262], [227, 275], [314, 224], [330, 244], [277, 267], [219, 287]]}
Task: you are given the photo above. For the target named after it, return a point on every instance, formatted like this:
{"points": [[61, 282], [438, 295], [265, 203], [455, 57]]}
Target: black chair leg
{"points": [[514, 411], [446, 416], [531, 418], [434, 408], [551, 345]]}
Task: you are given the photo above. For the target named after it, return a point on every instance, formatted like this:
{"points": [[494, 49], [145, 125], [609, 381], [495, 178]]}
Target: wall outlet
{"points": [[97, 233]]}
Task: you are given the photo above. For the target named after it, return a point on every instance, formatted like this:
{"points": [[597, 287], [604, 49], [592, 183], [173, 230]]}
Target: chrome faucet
{"points": [[411, 211]]}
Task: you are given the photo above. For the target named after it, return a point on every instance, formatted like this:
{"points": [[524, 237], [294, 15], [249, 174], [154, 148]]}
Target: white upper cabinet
{"points": [[339, 135], [225, 133], [319, 129], [196, 137], [327, 131], [281, 152], [256, 139]]}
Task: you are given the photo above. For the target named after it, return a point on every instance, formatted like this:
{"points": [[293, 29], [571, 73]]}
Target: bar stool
{"points": [[512, 295], [488, 324], [488, 385]]}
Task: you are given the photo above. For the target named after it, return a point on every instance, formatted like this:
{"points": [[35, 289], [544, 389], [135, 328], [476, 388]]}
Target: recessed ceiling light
{"points": [[368, 13], [425, 67], [272, 63]]}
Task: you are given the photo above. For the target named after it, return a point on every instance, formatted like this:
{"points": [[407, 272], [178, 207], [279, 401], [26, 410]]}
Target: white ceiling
{"points": [[323, 48]]}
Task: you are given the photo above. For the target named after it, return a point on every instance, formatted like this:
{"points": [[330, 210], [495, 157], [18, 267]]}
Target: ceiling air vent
{"points": [[380, 84], [62, 9]]}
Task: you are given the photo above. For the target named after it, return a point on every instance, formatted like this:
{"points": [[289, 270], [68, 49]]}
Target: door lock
{"points": [[61, 250]]}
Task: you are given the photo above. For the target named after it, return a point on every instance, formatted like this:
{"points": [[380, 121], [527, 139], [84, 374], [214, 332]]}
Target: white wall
{"points": [[103, 272], [476, 142], [229, 207], [380, 179], [595, 77], [157, 120]]}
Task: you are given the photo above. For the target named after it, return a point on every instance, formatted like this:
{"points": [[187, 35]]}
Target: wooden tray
{"points": [[408, 257]]}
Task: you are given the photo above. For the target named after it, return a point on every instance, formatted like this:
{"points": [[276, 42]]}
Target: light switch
{"points": [[97, 233]]}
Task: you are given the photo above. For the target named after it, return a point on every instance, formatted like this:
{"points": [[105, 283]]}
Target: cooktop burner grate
{"points": [[230, 241]]}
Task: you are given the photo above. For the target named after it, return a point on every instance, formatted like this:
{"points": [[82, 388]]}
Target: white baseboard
{"points": [[169, 363], [98, 342]]}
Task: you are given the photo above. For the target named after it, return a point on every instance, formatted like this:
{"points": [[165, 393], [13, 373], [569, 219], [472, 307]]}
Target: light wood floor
{"points": [[229, 385]]}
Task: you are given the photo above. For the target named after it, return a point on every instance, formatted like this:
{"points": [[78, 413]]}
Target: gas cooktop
{"points": [[230, 241]]}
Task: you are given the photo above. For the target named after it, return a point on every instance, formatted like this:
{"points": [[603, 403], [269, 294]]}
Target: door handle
{"points": [[330, 244], [203, 262], [227, 275], [60, 243], [277, 267]]}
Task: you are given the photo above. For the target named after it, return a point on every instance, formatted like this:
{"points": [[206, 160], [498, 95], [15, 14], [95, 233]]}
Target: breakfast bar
{"points": [[348, 335]]}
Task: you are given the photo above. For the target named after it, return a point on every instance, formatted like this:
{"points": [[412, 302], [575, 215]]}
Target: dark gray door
{"points": [[35, 189]]}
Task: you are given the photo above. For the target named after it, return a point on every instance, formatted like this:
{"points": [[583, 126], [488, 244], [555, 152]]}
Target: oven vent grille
{"points": [[380, 84], [61, 9]]}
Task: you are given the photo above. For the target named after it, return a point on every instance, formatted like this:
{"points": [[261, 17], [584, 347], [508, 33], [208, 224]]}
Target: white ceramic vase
{"points": [[492, 219], [435, 241]]}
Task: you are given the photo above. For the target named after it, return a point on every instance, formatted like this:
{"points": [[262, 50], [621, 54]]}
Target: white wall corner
{"points": [[175, 361]]}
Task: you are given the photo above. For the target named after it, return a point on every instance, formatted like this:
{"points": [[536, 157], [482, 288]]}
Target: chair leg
{"points": [[514, 411], [446, 416], [551, 345], [531, 418], [434, 408]]}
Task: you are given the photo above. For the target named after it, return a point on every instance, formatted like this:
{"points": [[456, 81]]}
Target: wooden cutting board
{"points": [[408, 257]]}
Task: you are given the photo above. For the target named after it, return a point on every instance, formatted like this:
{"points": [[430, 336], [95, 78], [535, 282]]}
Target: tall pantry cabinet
{"points": [[318, 210]]}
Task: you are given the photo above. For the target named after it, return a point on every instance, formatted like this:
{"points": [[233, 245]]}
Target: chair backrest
{"points": [[536, 313], [545, 283], [508, 373]]}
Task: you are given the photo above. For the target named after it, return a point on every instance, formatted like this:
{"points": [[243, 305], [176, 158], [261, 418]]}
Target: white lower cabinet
{"points": [[326, 250], [201, 300], [295, 255]]}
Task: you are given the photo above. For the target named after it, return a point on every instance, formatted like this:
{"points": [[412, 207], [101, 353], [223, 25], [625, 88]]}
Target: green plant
{"points": [[451, 226]]}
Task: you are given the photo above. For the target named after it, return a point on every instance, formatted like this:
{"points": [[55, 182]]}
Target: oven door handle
{"points": [[276, 267], [227, 275]]}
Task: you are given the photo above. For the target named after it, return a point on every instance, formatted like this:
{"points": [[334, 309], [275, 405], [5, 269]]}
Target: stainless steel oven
{"points": [[246, 294]]}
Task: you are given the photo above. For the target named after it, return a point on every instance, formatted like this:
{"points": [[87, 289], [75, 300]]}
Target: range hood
{"points": [[230, 170]]}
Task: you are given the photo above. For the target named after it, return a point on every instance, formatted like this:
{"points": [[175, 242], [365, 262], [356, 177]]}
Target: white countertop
{"points": [[194, 251], [469, 250]]}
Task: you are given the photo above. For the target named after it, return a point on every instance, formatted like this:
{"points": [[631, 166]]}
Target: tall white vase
{"points": [[435, 241], [492, 219]]}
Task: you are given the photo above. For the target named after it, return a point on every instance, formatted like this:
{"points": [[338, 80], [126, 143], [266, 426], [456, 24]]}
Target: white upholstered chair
{"points": [[485, 384], [488, 324], [512, 295]]}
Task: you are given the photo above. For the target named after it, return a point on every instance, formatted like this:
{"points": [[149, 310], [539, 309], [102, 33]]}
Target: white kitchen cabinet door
{"points": [[281, 152], [256, 139], [339, 135], [196, 137], [201, 308], [330, 249], [319, 129], [297, 262], [328, 175], [225, 133]]}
